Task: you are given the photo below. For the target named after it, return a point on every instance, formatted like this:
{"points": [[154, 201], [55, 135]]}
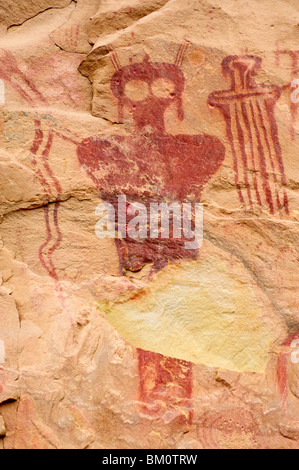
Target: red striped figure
{"points": [[248, 110]]}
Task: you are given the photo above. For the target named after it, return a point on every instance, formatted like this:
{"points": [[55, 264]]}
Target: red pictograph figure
{"points": [[151, 165], [165, 386], [12, 74], [50, 184], [284, 361], [294, 58], [40, 152], [248, 110]]}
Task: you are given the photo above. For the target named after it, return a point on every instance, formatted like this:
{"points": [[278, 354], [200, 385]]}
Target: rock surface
{"points": [[125, 343]]}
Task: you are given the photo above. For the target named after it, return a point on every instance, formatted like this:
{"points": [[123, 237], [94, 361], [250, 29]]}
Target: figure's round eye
{"points": [[136, 90], [163, 88]]}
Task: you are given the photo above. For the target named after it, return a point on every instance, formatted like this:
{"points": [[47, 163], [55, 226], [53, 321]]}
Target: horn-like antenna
{"points": [[114, 58], [181, 53]]}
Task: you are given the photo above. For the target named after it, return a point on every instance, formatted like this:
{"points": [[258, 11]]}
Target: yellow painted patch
{"points": [[199, 312]]}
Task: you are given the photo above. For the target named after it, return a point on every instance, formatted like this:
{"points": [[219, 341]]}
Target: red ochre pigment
{"points": [[151, 165]]}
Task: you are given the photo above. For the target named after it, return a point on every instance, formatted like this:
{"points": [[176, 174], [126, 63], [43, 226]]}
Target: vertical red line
{"points": [[243, 153], [227, 117], [247, 125], [113, 61], [294, 106], [45, 155], [277, 148], [37, 141], [279, 205], [56, 224], [282, 368], [117, 60], [48, 263], [266, 186], [178, 55], [266, 138], [38, 138], [50, 268], [43, 182], [189, 380]]}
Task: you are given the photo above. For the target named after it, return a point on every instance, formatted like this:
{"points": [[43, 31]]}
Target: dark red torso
{"points": [[150, 165]]}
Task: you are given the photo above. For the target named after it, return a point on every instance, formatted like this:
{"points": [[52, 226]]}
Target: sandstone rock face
{"points": [[145, 342]]}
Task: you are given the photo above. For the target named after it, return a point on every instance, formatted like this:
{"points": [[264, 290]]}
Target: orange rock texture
{"points": [[129, 339]]}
